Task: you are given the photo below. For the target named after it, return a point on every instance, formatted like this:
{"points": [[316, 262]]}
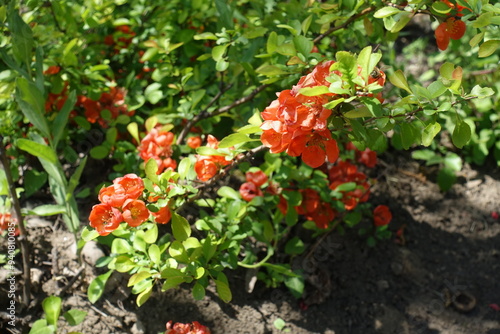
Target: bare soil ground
{"points": [[441, 277]]}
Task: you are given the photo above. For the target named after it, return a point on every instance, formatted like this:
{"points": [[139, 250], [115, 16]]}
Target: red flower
{"points": [[323, 216], [157, 144], [367, 157], [193, 328], [258, 178], [105, 219], [451, 28], [52, 70], [314, 148], [205, 169], [381, 215], [132, 185], [113, 195], [249, 190], [135, 212], [6, 225], [163, 215], [194, 142]]}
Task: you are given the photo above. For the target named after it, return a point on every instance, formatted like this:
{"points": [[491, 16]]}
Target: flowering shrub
{"points": [[261, 99]]}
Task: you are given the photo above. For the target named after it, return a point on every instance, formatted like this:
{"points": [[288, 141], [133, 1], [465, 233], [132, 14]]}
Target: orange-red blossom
{"points": [[207, 166], [157, 144], [382, 215], [451, 28], [120, 203]]}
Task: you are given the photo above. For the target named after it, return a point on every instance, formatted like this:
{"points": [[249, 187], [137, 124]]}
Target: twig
{"points": [[23, 237], [200, 116], [345, 24], [205, 114], [71, 281]]}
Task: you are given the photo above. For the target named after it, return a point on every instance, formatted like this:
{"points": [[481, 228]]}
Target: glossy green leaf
{"points": [[398, 79], [52, 309], [36, 149], [198, 291], [488, 48], [429, 133], [151, 170], [180, 227], [461, 134], [22, 37], [222, 287], [121, 246], [74, 317], [154, 254], [139, 277], [234, 139], [32, 104], [294, 246], [46, 210], [385, 12], [144, 296]]}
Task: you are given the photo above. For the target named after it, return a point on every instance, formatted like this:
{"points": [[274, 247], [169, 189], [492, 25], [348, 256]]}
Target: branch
{"points": [[23, 237], [345, 24], [205, 114]]}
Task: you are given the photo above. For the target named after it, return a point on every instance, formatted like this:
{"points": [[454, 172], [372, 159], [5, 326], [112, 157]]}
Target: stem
{"points": [[23, 237], [345, 24], [270, 253]]}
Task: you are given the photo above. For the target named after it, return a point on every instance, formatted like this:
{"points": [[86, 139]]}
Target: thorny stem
{"points": [[23, 237], [205, 114], [345, 24]]}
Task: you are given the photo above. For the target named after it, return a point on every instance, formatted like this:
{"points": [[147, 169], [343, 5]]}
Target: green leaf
{"points": [[228, 192], [41, 327], [151, 170], [461, 134], [404, 18], [314, 91], [139, 277], [89, 234], [294, 246], [133, 129], [198, 291], [144, 296], [46, 210], [74, 317], [279, 324], [52, 309], [295, 284], [303, 44], [75, 178], [476, 39], [33, 181], [234, 139], [362, 111], [32, 104], [481, 92], [218, 51], [409, 135], [154, 254], [151, 235], [385, 12], [488, 48], [222, 288], [483, 20], [446, 178], [205, 150], [124, 264], [36, 149], [272, 42], [225, 13], [441, 8], [398, 79], [453, 161], [172, 283], [99, 152], [429, 133], [436, 89], [121, 246], [22, 37], [59, 124], [180, 227]]}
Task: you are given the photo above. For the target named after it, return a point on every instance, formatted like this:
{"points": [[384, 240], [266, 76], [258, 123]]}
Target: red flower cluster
{"points": [[451, 28], [120, 203], [207, 166], [57, 100], [114, 101], [251, 188], [382, 215], [52, 70], [158, 145], [344, 172], [321, 213], [121, 38], [366, 157], [193, 328], [297, 124], [6, 224]]}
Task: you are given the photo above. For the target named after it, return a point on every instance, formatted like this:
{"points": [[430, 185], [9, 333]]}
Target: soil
{"points": [[440, 276]]}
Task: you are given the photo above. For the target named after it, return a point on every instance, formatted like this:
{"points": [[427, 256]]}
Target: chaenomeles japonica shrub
{"points": [[332, 118]]}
